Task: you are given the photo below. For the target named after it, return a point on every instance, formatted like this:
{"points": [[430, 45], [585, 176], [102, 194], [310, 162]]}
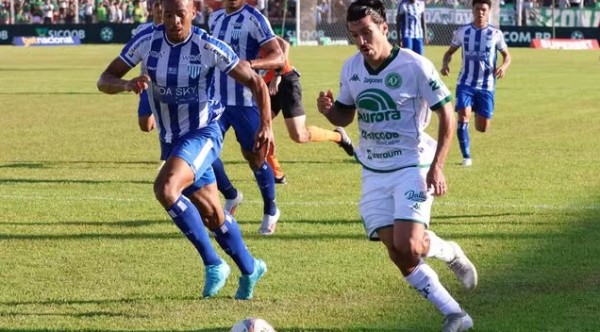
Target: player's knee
{"points": [[481, 127], [211, 219], [410, 250], [255, 159], [165, 192]]}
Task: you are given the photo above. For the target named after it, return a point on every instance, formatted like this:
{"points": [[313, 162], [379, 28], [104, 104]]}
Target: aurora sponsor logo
{"points": [[379, 116], [376, 105]]}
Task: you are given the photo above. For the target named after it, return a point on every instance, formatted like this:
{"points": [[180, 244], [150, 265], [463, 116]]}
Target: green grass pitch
{"points": [[85, 247]]}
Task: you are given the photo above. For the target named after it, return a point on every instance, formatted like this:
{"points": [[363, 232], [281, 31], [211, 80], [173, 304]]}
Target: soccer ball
{"points": [[252, 325]]}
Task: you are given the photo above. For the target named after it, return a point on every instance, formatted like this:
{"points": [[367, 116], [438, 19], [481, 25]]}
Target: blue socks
{"points": [[223, 183], [462, 132], [188, 220], [229, 237], [266, 183]]}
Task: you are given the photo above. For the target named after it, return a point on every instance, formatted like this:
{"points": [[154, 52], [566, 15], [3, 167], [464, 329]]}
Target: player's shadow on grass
{"points": [[556, 265], [347, 160], [80, 181], [58, 164], [119, 224], [303, 221], [89, 314], [93, 236]]}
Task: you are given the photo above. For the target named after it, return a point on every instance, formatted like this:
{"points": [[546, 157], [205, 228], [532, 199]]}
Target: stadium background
{"points": [[309, 22]]}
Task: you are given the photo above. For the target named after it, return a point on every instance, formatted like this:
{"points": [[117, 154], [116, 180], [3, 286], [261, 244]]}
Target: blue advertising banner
{"points": [[46, 41]]}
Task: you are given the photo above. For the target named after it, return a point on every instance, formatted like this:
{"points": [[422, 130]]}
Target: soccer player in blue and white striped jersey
{"points": [[179, 62], [410, 25], [477, 78], [247, 31]]}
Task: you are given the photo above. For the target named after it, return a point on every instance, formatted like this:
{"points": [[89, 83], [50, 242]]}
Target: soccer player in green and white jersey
{"points": [[393, 91]]}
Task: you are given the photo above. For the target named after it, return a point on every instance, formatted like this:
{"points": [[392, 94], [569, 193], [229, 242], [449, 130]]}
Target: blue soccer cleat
{"points": [[247, 282], [216, 276]]}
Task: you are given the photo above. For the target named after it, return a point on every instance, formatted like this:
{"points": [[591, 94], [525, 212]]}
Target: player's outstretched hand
{"points": [[325, 102], [138, 84]]}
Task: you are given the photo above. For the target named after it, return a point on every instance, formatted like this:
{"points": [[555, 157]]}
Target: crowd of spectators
{"points": [[70, 11], [138, 11]]}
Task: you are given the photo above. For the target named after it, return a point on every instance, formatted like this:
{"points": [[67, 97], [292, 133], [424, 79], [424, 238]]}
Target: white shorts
{"points": [[388, 197]]}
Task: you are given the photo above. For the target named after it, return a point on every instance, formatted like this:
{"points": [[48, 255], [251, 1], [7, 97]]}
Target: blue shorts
{"points": [[199, 148], [414, 44], [245, 121], [144, 105], [480, 101]]}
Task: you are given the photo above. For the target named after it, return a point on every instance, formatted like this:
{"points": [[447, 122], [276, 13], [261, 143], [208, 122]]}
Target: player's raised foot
{"points": [[345, 143], [463, 268], [457, 322], [281, 180], [467, 162], [232, 204], [248, 281], [268, 224], [216, 276]]}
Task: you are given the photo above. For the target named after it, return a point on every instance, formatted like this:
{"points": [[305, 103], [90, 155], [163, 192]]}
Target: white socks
{"points": [[439, 248], [426, 282]]}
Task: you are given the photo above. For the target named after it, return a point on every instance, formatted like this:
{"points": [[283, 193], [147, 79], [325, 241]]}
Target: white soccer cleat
{"points": [[463, 268], [467, 162], [268, 224], [457, 322], [232, 204]]}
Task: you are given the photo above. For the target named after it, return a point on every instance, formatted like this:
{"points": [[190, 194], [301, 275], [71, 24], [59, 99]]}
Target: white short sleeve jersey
{"points": [[479, 54], [393, 105], [181, 92]]}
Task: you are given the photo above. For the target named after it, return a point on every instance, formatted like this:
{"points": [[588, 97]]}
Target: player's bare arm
{"points": [[111, 80], [274, 83], [338, 116], [446, 60], [285, 47], [447, 125], [273, 59], [506, 59], [146, 123], [248, 77]]}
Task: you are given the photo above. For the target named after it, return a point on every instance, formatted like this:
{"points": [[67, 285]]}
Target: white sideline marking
{"points": [[310, 203]]}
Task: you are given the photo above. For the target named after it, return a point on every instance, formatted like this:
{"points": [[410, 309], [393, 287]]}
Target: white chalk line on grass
{"points": [[310, 203]]}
